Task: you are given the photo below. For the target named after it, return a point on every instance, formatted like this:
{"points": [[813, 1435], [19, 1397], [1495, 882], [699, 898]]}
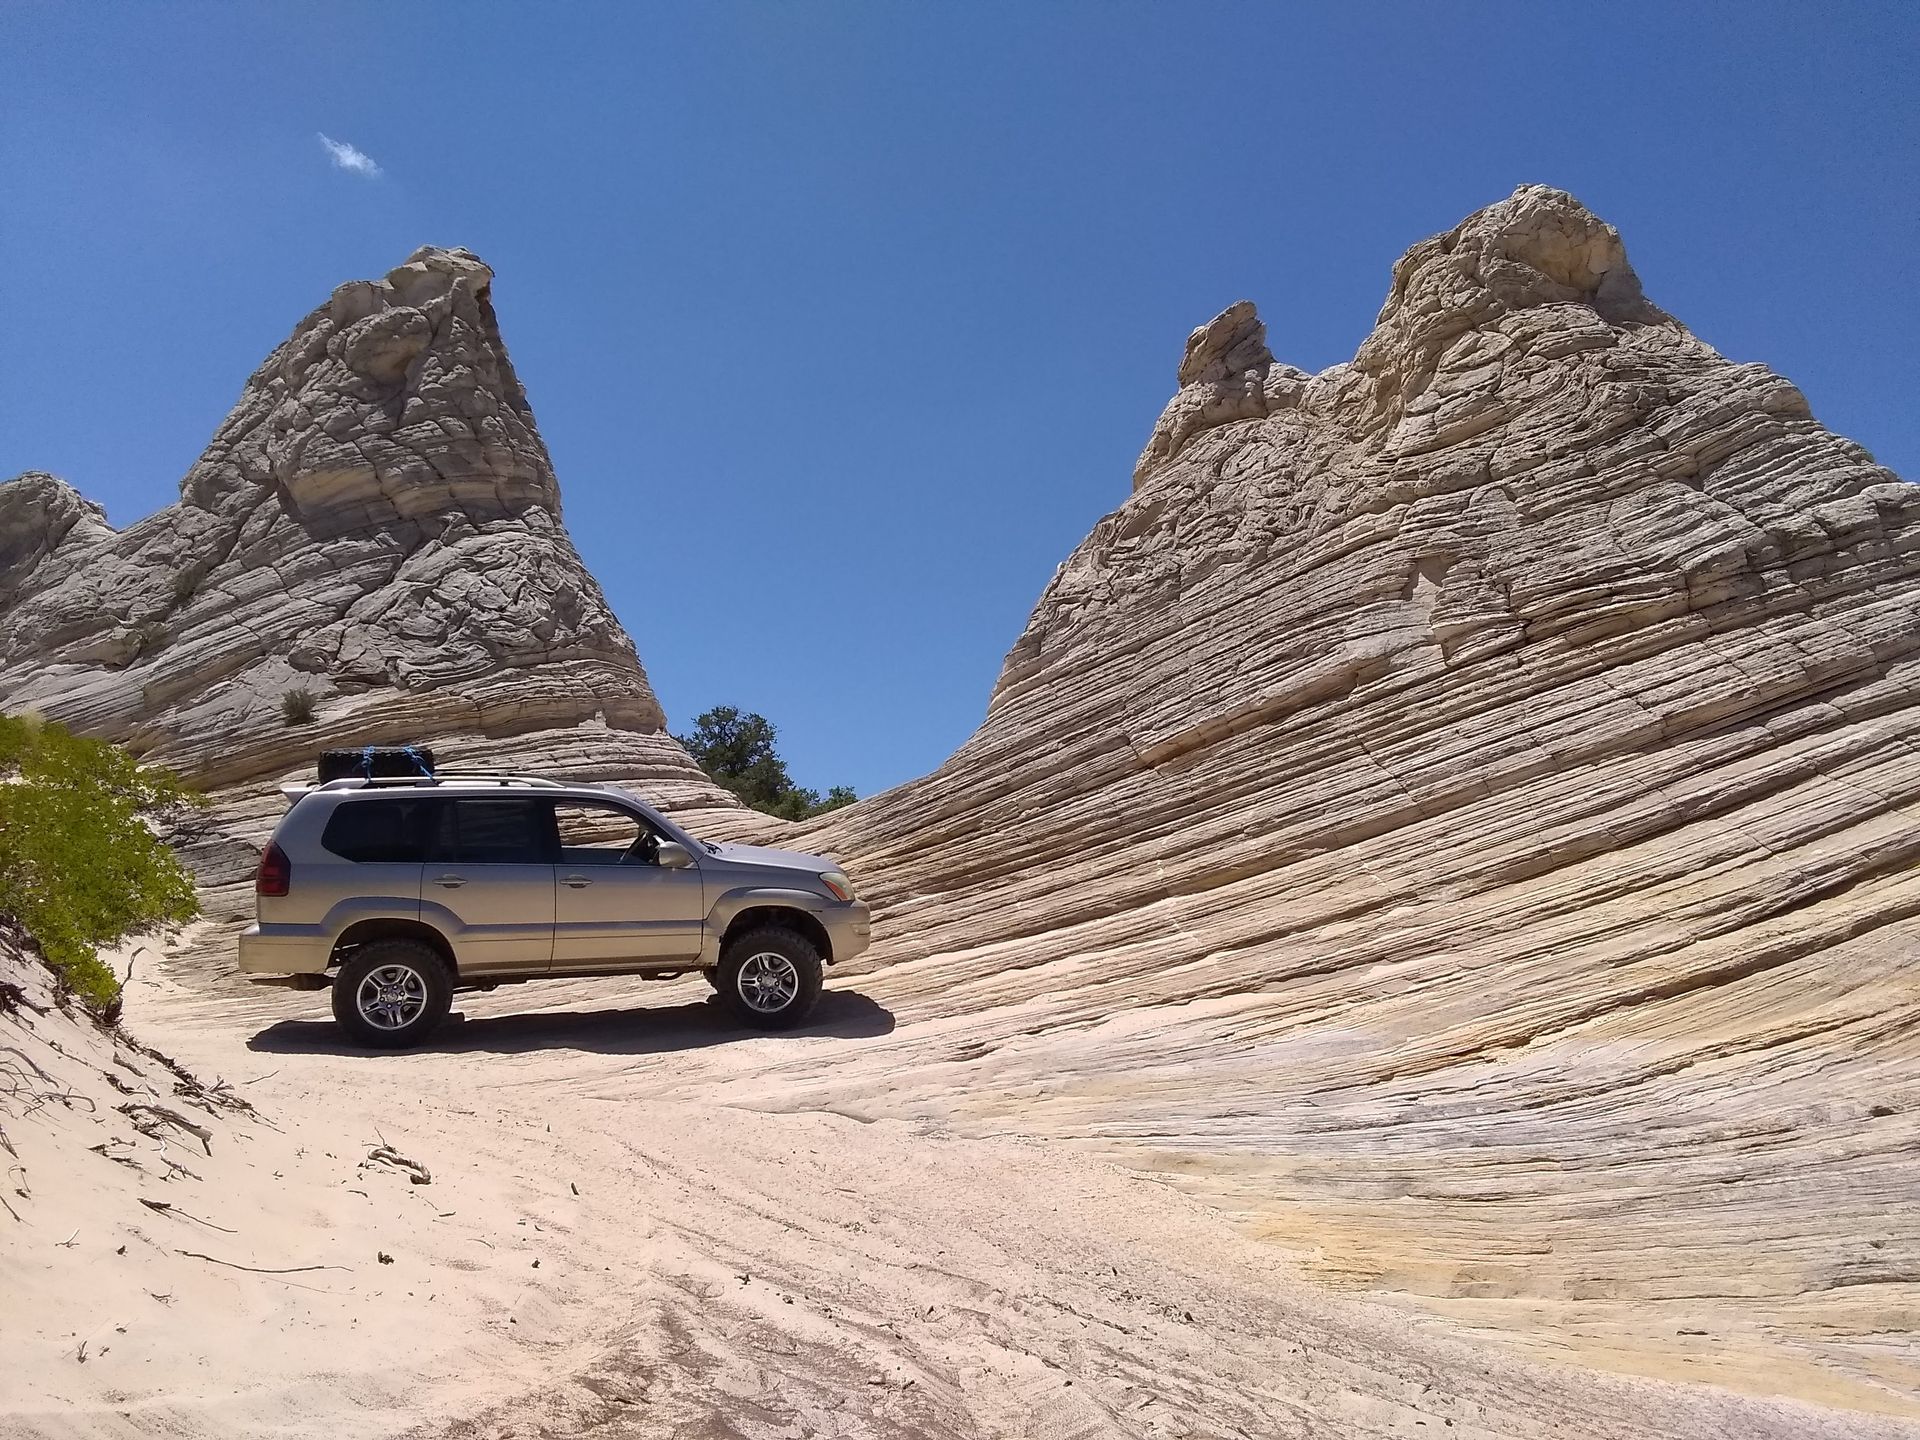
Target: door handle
{"points": [[451, 882], [575, 882]]}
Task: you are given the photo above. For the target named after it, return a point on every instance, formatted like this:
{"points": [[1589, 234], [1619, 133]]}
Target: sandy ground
{"points": [[589, 1260]]}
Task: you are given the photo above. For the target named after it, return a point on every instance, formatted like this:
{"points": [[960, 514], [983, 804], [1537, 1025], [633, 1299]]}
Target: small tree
{"points": [[737, 749], [80, 867]]}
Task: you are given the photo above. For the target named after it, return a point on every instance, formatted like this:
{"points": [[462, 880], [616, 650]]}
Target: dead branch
{"points": [[158, 1057], [257, 1270], [12, 997], [30, 1063], [68, 1098], [387, 1155], [217, 1096], [167, 1207], [160, 1115]]}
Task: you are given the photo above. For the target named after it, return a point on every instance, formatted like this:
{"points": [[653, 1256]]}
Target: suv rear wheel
{"points": [[391, 993], [769, 977]]}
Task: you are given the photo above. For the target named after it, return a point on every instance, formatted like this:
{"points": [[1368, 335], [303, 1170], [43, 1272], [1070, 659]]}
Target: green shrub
{"points": [[736, 748], [296, 707], [80, 867]]}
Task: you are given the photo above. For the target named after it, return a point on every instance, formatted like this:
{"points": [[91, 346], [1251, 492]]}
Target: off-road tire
{"points": [[752, 975], [422, 1001]]}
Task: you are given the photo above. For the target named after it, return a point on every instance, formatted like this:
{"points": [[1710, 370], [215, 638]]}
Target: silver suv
{"points": [[399, 892]]}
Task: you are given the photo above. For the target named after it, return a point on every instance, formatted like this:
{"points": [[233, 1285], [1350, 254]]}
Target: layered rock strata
{"points": [[376, 527], [1460, 814]]}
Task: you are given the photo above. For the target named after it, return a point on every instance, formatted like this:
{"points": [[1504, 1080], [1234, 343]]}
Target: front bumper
{"points": [[284, 950], [849, 929]]}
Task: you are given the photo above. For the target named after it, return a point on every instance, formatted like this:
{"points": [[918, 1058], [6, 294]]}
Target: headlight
{"points": [[838, 883]]}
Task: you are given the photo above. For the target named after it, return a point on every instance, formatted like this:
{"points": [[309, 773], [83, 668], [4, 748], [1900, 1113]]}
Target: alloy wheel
{"points": [[391, 997], [768, 982]]}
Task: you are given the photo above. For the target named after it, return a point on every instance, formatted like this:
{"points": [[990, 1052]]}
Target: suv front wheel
{"points": [[391, 993], [769, 977]]}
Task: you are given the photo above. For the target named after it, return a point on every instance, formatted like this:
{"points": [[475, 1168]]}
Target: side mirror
{"points": [[673, 856]]}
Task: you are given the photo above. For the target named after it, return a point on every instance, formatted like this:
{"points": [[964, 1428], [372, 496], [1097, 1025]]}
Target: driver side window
{"points": [[602, 835]]}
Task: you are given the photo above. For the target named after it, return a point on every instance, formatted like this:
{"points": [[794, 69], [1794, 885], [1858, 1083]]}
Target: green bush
{"points": [[296, 706], [80, 867], [737, 749]]}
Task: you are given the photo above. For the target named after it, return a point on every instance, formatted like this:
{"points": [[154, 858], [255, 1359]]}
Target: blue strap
{"points": [[366, 761]]}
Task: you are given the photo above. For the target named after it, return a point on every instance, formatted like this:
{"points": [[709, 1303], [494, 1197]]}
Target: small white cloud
{"points": [[350, 157]]}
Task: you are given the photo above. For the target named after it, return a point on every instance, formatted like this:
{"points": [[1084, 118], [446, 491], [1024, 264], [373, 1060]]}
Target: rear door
{"points": [[490, 869], [615, 904]]}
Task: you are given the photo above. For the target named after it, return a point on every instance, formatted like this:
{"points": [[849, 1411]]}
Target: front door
{"points": [[490, 870], [615, 904]]}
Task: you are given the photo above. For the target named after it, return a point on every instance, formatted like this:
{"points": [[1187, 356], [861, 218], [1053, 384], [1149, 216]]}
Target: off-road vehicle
{"points": [[397, 892]]}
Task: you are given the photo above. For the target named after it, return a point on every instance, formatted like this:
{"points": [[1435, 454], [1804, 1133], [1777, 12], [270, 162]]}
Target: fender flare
{"points": [[731, 903]]}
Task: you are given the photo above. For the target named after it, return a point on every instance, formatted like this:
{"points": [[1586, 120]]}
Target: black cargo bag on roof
{"points": [[377, 762]]}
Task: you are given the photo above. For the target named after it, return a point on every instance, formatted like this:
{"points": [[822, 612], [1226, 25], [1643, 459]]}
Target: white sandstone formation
{"points": [[376, 524], [1459, 814]]}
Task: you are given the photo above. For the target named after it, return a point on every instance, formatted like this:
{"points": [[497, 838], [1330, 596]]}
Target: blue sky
{"points": [[860, 313]]}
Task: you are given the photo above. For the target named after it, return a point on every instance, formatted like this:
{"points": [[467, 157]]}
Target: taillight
{"points": [[275, 874]]}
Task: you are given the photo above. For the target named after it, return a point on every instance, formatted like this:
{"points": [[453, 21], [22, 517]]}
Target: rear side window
{"points": [[388, 831], [494, 832]]}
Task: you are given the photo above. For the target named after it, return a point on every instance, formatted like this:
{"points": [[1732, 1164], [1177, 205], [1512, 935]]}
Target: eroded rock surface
{"points": [[376, 525], [1459, 814]]}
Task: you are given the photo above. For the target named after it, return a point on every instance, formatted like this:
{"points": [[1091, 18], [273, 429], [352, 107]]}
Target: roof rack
{"points": [[502, 777], [467, 777]]}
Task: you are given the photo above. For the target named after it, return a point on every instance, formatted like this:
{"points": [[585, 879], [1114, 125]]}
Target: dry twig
{"points": [[257, 1270], [167, 1207], [387, 1155], [29, 1062]]}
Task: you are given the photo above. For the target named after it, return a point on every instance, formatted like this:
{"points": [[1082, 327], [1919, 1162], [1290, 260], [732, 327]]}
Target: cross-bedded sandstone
{"points": [[1459, 813], [377, 524]]}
